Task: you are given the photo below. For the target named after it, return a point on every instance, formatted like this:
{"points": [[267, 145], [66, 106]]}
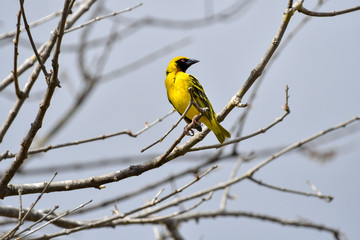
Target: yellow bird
{"points": [[177, 83]]}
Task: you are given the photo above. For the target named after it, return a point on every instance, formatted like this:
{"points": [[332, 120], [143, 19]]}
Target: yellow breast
{"points": [[177, 90]]}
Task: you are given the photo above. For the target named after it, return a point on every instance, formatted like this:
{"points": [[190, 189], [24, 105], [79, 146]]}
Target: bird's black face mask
{"points": [[184, 63]]}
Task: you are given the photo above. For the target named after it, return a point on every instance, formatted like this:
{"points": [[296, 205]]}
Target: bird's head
{"points": [[180, 64]]}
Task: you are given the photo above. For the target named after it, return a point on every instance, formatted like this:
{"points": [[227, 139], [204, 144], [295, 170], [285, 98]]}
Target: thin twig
{"points": [[226, 192], [173, 193], [239, 139], [298, 144], [36, 125], [147, 126], [260, 131], [45, 51], [21, 221], [16, 53], [327, 198], [316, 190], [326, 14], [120, 218], [240, 123], [192, 102], [148, 187], [47, 184], [111, 222], [296, 223], [103, 17], [35, 23], [197, 178], [38, 221], [145, 217], [37, 215], [58, 217], [170, 130], [153, 201], [27, 28], [78, 142]]}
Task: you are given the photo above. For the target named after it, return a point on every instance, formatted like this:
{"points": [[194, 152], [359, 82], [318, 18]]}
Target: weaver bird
{"points": [[177, 83]]}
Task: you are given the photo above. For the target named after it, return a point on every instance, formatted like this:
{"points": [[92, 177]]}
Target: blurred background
{"points": [[128, 55]]}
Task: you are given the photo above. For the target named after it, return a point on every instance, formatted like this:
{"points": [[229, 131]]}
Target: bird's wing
{"points": [[200, 97]]}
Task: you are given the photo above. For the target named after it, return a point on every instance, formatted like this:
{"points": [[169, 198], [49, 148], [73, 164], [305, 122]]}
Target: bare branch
{"points": [[326, 14], [257, 71], [171, 129], [27, 28], [239, 139], [175, 192], [251, 172], [296, 223], [120, 218], [154, 200], [327, 198], [226, 192], [55, 219], [16, 42], [37, 216], [52, 84], [103, 17], [251, 98], [148, 187], [23, 218], [78, 142], [44, 51], [188, 127], [35, 23], [260, 131], [156, 162], [38, 221]]}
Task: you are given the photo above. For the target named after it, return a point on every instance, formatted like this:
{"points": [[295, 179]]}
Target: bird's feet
{"points": [[195, 123]]}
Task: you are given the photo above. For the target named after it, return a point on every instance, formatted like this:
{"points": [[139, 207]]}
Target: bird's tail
{"points": [[220, 132]]}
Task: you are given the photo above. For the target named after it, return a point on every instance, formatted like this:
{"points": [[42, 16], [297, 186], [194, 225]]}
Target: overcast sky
{"points": [[320, 66]]}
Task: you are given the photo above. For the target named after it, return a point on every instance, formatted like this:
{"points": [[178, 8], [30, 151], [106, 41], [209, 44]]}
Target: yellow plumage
{"points": [[177, 83]]}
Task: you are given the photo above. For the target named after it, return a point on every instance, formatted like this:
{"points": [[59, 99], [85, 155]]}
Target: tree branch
{"points": [[45, 103], [27, 28], [16, 53], [295, 223], [103, 17], [251, 172], [327, 198], [326, 14], [44, 51]]}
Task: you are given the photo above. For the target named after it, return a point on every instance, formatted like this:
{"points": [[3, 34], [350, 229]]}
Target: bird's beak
{"points": [[191, 61]]}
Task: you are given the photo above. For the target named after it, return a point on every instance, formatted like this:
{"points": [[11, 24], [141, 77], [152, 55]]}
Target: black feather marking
{"points": [[200, 97]]}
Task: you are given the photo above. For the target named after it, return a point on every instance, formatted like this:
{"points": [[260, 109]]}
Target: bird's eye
{"points": [[183, 60]]}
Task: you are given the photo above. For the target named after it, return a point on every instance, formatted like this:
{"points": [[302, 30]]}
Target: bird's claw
{"points": [[188, 131], [195, 123]]}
